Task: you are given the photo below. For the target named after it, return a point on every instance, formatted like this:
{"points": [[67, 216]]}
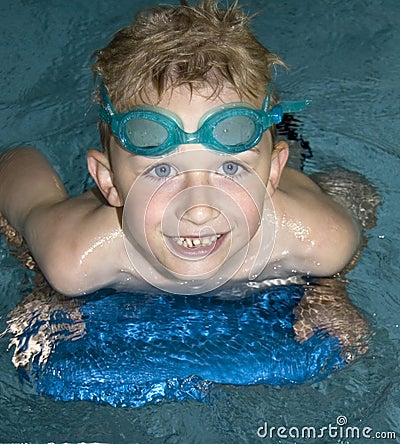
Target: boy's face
{"points": [[194, 214]]}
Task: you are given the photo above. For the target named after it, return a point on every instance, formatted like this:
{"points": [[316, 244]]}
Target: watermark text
{"points": [[340, 429]]}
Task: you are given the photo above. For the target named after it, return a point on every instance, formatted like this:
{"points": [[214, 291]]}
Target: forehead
{"points": [[191, 105], [183, 96]]}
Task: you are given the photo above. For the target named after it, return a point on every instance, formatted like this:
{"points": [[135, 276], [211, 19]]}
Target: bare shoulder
{"points": [[77, 243], [293, 182], [322, 234]]}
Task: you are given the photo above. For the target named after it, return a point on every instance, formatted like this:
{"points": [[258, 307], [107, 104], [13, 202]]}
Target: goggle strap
{"points": [[266, 103], [107, 111], [105, 115], [294, 107], [275, 115]]}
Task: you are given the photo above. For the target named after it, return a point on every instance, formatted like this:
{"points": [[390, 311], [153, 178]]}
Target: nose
{"points": [[200, 214], [198, 204]]}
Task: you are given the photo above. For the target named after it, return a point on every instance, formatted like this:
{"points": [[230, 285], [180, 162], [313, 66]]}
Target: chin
{"points": [[188, 271]]}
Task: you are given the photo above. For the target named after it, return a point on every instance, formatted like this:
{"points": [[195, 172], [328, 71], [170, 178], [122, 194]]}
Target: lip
{"points": [[194, 253]]}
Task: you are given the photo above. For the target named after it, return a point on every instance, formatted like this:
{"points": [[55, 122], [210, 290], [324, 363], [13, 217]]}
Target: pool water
{"points": [[344, 57]]}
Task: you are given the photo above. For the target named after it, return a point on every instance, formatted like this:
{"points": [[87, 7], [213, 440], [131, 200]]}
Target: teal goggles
{"points": [[232, 128]]}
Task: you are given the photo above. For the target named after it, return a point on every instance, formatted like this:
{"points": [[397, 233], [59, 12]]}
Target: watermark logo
{"points": [[339, 429]]}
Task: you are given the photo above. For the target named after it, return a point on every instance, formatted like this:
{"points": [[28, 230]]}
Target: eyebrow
{"points": [[254, 150]]}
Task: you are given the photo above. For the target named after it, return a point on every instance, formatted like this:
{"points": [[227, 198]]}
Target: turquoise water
{"points": [[344, 57]]}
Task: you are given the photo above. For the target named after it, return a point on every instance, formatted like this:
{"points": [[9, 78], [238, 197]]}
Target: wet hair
{"points": [[201, 47]]}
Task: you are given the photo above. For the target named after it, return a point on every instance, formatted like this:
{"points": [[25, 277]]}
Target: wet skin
{"points": [[192, 215]]}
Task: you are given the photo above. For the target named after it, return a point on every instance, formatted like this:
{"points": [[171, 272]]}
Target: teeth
{"points": [[190, 242]]}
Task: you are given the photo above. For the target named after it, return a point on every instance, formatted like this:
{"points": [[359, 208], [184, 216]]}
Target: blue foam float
{"points": [[136, 349]]}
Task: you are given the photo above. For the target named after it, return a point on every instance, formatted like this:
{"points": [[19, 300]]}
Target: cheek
{"points": [[263, 169], [252, 213], [153, 213], [262, 166], [143, 209], [156, 206], [244, 201]]}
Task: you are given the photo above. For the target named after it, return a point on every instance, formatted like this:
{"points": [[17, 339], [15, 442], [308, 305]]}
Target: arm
{"points": [[321, 235], [75, 242], [27, 182], [326, 307]]}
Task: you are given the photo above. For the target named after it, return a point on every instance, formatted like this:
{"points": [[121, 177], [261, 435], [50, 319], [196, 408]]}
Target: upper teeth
{"points": [[190, 242]]}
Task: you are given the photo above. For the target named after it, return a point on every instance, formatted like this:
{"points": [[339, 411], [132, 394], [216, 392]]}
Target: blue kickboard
{"points": [[138, 349]]}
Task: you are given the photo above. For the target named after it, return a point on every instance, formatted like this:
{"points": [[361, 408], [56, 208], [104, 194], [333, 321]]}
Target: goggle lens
{"points": [[235, 130], [145, 133]]}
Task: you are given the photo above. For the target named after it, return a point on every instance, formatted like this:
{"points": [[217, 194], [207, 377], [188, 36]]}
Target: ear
{"points": [[279, 158], [100, 169]]}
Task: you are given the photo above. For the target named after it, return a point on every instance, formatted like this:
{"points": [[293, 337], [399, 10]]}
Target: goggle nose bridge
{"points": [[190, 137]]}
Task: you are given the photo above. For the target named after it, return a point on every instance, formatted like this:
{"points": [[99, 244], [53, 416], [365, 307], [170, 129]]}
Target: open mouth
{"points": [[195, 246], [197, 242]]}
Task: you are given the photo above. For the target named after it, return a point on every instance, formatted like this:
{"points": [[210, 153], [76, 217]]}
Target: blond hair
{"points": [[201, 46]]}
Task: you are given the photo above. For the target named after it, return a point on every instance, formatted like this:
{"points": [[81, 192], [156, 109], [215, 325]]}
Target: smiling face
{"points": [[196, 213]]}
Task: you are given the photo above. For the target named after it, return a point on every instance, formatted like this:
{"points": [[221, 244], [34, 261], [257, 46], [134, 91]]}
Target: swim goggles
{"points": [[230, 128]]}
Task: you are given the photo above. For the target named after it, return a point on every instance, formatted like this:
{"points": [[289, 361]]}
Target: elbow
{"points": [[63, 274], [340, 251], [65, 284]]}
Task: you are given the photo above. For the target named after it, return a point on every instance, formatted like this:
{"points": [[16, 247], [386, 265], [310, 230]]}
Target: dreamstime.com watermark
{"points": [[340, 429]]}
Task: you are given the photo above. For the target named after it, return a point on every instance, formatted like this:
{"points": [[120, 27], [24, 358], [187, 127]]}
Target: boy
{"points": [[192, 189]]}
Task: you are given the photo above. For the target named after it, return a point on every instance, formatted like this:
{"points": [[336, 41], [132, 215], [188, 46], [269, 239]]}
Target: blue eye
{"points": [[162, 171], [231, 168]]}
